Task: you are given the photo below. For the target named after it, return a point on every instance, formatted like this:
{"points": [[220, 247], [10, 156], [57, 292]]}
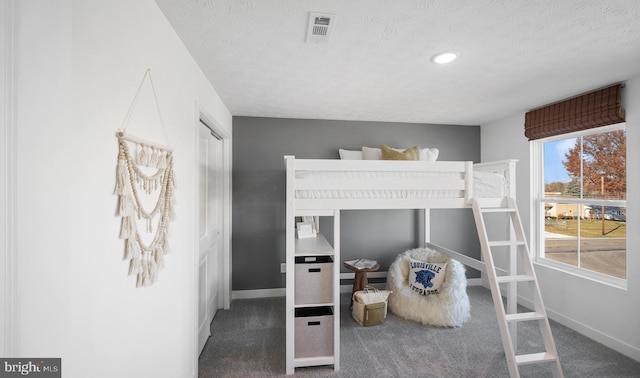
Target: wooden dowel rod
{"points": [[133, 139]]}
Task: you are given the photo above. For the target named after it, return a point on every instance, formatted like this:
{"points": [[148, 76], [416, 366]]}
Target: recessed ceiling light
{"points": [[445, 58]]}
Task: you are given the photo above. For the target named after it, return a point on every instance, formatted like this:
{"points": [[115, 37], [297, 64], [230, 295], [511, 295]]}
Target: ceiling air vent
{"points": [[320, 27]]}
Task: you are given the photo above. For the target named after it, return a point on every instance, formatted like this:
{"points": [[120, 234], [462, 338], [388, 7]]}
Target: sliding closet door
{"points": [[210, 216]]}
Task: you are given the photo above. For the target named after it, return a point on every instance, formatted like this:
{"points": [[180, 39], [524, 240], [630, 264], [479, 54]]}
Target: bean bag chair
{"points": [[429, 287]]}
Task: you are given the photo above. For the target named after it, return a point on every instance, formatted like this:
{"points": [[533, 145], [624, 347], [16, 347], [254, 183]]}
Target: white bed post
{"points": [[290, 263], [468, 178], [336, 289], [427, 226], [511, 178]]}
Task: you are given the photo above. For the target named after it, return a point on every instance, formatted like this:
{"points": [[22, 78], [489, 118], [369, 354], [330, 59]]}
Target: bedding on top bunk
{"points": [[485, 185]]}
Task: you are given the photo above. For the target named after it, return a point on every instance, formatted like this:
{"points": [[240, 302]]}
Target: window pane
{"points": [[603, 241], [556, 175], [561, 230], [603, 165]]}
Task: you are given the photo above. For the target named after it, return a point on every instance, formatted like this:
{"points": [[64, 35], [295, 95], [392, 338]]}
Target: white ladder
{"points": [[508, 319]]}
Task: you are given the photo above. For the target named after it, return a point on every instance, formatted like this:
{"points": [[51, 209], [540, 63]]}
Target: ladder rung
{"points": [[497, 209], [518, 278], [524, 316], [534, 358], [506, 243]]}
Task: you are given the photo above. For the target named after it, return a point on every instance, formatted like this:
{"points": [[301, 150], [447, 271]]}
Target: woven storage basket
{"points": [[370, 306]]}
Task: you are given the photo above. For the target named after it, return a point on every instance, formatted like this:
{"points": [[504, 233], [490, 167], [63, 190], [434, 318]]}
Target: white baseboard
{"points": [[350, 276], [474, 282], [258, 293]]}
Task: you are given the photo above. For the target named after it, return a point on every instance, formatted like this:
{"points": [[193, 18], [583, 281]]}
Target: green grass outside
{"points": [[589, 228]]}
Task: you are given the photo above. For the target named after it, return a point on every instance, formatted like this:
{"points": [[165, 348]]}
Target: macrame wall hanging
{"points": [[145, 187]]}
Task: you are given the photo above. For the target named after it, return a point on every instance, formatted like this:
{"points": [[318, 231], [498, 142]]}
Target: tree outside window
{"points": [[601, 161]]}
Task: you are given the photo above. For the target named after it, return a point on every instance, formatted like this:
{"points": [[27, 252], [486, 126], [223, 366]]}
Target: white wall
{"points": [[604, 313], [5, 241], [79, 65]]}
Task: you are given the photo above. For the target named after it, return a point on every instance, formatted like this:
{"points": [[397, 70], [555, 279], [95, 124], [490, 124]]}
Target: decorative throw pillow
{"points": [[425, 277], [350, 154], [429, 154], [389, 153], [424, 154]]}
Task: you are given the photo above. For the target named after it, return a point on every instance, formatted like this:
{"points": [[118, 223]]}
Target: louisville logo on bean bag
{"points": [[424, 277]]}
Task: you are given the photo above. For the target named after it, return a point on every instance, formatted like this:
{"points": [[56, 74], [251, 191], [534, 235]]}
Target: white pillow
{"points": [[425, 277], [428, 154], [370, 153], [350, 154]]}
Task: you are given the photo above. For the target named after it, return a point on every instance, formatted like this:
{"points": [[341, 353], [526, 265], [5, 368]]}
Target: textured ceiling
{"points": [[515, 55]]}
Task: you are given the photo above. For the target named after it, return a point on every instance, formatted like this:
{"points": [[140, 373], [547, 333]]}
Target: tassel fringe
{"points": [[125, 227], [153, 159], [121, 177], [125, 205], [145, 262]]}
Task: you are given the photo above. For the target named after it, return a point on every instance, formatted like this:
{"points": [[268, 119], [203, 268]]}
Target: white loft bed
{"points": [[324, 187]]}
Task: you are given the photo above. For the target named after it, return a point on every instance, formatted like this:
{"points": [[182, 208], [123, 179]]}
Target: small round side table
{"points": [[360, 281]]}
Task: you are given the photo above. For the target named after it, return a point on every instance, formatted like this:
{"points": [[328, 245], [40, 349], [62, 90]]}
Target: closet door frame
{"points": [[225, 293]]}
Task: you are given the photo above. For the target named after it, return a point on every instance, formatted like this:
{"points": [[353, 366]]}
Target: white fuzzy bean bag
{"points": [[449, 307]]}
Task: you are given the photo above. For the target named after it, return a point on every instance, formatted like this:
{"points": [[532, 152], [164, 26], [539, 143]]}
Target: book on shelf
{"points": [[361, 263]]}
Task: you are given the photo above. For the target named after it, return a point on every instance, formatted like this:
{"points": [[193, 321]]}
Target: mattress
{"points": [[485, 185]]}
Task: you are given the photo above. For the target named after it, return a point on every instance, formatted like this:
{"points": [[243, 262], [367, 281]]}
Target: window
{"points": [[580, 202]]}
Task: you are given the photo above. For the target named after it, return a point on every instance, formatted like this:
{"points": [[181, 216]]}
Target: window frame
{"points": [[536, 149]]}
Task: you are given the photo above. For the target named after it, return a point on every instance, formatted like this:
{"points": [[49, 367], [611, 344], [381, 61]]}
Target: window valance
{"points": [[594, 109]]}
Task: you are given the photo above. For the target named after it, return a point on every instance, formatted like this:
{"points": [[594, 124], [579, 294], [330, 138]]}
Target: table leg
{"points": [[360, 281]]}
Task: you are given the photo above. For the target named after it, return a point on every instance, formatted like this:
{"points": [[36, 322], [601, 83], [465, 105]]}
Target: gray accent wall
{"points": [[259, 146]]}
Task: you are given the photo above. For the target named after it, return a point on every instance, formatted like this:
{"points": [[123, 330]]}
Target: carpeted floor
{"points": [[249, 341]]}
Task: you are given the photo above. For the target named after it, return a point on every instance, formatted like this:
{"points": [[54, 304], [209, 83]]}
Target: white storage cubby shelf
{"points": [[313, 295]]}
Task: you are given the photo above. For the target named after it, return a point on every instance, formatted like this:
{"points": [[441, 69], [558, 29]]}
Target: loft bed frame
{"points": [[313, 190]]}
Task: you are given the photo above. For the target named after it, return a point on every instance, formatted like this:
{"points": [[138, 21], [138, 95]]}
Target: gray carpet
{"points": [[249, 341]]}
